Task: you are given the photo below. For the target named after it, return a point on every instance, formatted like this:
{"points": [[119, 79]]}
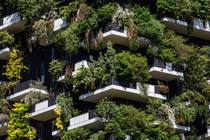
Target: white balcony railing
{"points": [[44, 111]]}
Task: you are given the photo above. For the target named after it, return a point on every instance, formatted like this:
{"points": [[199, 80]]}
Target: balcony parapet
{"points": [[20, 90], [44, 110], [88, 120], [165, 71], [201, 28]]}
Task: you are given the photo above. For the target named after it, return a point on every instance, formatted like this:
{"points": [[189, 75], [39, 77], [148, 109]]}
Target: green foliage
{"points": [[33, 98], [167, 55], [195, 71], [123, 65], [178, 8], [128, 120], [43, 29], [105, 13], [106, 110], [6, 38], [70, 10], [142, 14], [98, 71], [65, 102], [19, 127], [152, 29], [32, 8], [69, 38], [55, 68], [201, 9], [132, 67], [80, 133], [5, 107], [174, 137], [122, 16], [15, 65], [100, 135]]}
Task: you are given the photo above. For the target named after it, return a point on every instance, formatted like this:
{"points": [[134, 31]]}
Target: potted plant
{"points": [[163, 88]]}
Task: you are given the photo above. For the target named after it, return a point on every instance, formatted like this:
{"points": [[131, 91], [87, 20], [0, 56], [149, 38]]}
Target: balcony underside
{"points": [[4, 54], [3, 129], [181, 27], [181, 129], [113, 91], [163, 74], [13, 27], [44, 114], [17, 97]]}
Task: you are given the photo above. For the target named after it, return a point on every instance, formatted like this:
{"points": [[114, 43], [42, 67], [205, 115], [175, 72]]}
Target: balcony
{"points": [[122, 89], [165, 71], [20, 90], [200, 28], [12, 23], [4, 53], [3, 129], [43, 111], [117, 35], [58, 25], [88, 120], [77, 66]]}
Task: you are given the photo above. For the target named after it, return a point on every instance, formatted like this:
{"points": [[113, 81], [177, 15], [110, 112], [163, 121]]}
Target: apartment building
{"points": [[154, 55]]}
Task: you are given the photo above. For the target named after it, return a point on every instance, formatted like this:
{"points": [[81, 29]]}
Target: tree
{"points": [[19, 128], [15, 65]]}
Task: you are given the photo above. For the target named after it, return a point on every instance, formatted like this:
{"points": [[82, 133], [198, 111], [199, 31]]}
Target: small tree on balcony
{"points": [[55, 68], [14, 66], [19, 127]]}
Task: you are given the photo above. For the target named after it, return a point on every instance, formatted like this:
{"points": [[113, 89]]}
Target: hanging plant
{"points": [[133, 37], [43, 28]]}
